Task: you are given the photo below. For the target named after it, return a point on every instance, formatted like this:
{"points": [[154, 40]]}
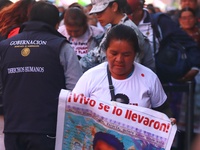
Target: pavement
{"points": [[1, 133]]}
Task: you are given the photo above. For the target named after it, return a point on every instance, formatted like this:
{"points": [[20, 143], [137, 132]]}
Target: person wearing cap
{"points": [[110, 13]]}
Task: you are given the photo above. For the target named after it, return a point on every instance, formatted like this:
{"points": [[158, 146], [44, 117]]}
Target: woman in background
{"points": [[13, 16], [188, 21], [82, 36]]}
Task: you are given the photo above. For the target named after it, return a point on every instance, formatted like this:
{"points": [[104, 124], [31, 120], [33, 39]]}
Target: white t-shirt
{"points": [[142, 88], [79, 44], [85, 42]]}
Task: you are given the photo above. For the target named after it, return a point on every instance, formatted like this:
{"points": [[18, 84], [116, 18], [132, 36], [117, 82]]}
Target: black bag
{"points": [[178, 52], [171, 61]]}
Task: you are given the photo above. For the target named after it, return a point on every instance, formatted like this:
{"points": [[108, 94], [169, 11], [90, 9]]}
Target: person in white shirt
{"points": [[132, 82], [82, 36]]}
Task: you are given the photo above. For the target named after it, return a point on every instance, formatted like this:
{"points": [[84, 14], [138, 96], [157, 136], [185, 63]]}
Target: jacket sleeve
{"points": [[164, 108], [71, 66], [95, 56], [145, 57]]}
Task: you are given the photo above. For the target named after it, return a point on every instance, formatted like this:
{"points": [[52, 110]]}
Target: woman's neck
{"points": [[124, 76], [117, 18]]}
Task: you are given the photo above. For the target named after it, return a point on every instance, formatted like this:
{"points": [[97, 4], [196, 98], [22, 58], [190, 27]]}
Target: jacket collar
{"points": [[39, 26], [147, 18]]}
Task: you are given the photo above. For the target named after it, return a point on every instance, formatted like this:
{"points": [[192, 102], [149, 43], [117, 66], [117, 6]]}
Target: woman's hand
{"points": [[190, 75], [173, 121]]}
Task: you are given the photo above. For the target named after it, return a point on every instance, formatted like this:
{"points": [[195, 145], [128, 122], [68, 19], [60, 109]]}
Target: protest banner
{"points": [[80, 119]]}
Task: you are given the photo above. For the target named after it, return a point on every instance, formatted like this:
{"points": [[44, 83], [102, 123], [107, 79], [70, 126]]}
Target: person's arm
{"points": [[190, 75], [159, 100], [72, 68], [91, 59], [95, 56], [164, 108]]}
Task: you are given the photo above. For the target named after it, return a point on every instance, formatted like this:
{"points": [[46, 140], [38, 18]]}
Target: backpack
{"points": [[177, 51]]}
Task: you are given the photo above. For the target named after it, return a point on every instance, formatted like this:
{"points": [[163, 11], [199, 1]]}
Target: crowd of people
{"points": [[85, 49]]}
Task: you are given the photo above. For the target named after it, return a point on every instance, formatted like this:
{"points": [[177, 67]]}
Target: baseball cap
{"points": [[99, 5]]}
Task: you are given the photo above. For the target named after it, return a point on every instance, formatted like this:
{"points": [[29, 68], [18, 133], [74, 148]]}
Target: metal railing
{"points": [[189, 117]]}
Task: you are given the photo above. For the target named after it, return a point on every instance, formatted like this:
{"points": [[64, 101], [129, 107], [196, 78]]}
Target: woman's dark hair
{"points": [[77, 5], [45, 12], [75, 17], [121, 4], [122, 32], [187, 9], [4, 3], [14, 15], [151, 8], [109, 139]]}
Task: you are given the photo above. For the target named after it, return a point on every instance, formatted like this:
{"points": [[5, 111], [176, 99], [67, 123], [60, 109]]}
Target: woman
{"points": [[188, 22], [13, 16], [82, 36], [133, 83], [110, 13]]}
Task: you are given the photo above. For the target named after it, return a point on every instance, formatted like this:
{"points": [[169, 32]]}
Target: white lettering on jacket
{"points": [[28, 42], [25, 69]]}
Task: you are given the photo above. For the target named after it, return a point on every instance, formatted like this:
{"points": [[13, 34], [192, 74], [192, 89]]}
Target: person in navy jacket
{"points": [[35, 65]]}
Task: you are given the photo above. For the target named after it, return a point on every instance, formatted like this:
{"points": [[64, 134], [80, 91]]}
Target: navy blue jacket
{"points": [[32, 79]]}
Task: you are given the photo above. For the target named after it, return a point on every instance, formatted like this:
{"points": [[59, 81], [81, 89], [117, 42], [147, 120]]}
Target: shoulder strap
{"points": [[111, 87], [155, 27], [155, 24]]}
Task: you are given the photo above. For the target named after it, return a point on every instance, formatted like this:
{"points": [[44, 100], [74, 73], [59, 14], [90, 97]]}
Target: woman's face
{"points": [[120, 55], [187, 20], [75, 31], [105, 17]]}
